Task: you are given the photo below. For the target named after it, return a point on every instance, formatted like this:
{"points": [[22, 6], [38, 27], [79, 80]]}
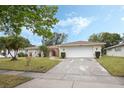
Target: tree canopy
{"points": [[38, 19], [13, 43], [106, 37], [55, 39]]}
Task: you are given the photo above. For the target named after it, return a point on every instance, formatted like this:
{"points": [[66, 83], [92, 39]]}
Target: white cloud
{"points": [[74, 24], [122, 18], [72, 14]]}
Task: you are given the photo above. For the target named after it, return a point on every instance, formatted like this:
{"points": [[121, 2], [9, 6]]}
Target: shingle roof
{"points": [[53, 46], [37, 48], [76, 43], [82, 43], [121, 44]]}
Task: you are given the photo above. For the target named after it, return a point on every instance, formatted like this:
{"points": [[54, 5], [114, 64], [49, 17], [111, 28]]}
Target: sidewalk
{"points": [[41, 80]]}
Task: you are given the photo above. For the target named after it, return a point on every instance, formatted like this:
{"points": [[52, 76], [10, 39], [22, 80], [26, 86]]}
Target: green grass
{"points": [[36, 65], [114, 65], [9, 81]]}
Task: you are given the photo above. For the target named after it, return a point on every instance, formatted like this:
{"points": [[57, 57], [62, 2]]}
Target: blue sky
{"points": [[79, 22]]}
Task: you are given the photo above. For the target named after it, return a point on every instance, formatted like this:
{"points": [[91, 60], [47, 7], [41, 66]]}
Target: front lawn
{"points": [[9, 81], [37, 64], [114, 65]]}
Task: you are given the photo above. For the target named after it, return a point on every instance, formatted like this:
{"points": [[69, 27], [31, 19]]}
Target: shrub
{"points": [[21, 54], [45, 50]]}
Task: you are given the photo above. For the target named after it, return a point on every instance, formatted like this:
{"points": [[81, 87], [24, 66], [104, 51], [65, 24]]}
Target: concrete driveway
{"points": [[79, 66], [74, 73]]}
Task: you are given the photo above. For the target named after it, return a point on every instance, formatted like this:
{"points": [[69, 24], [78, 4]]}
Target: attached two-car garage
{"points": [[80, 49]]}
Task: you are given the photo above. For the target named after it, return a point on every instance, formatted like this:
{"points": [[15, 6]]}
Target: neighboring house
{"points": [[33, 51], [80, 49], [12, 52], [7, 54], [116, 50], [1, 54]]}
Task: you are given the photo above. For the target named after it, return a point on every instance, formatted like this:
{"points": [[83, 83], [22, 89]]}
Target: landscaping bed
{"points": [[114, 65], [9, 81], [37, 64]]}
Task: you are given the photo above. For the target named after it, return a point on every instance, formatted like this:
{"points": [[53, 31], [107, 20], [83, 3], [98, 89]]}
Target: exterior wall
{"points": [[80, 51], [22, 51], [2, 53], [33, 52], [12, 52], [116, 52], [8, 55]]}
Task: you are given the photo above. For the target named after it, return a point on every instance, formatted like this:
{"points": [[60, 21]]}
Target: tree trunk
{"points": [[14, 58], [15, 55]]}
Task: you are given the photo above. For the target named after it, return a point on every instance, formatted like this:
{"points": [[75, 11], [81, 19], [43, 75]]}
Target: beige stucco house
{"points": [[72, 49]]}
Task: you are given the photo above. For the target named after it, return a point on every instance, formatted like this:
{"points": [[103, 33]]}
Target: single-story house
{"points": [[116, 50], [73, 49], [80, 49]]}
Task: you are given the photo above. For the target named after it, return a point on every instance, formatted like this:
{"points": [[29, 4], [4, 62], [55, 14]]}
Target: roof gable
{"points": [[121, 44]]}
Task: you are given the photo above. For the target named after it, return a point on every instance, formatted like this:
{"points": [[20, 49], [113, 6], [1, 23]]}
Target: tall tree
{"points": [[36, 18], [106, 37], [94, 38], [116, 38], [14, 43], [2, 45], [55, 39], [45, 50]]}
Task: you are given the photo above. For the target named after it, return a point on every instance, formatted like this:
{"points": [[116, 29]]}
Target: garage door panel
{"points": [[79, 52]]}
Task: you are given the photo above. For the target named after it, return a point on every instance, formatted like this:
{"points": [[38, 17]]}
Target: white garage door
{"points": [[81, 51]]}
